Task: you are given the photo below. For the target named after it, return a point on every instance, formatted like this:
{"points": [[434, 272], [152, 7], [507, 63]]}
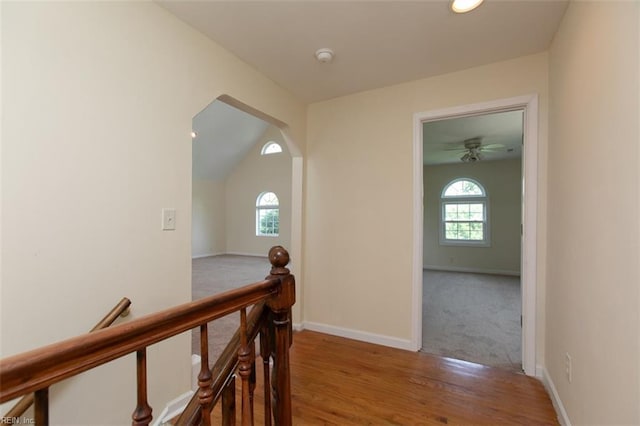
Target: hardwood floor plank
{"points": [[337, 381]]}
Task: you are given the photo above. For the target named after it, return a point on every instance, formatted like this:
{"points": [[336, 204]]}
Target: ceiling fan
{"points": [[473, 149]]}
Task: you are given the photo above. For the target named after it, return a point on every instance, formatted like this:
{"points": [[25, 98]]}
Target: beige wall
{"points": [[208, 235], [254, 175], [97, 101], [359, 196], [593, 235], [503, 182]]}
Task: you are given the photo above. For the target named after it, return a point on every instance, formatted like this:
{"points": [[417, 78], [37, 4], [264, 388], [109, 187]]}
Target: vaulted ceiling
{"points": [[224, 136]]}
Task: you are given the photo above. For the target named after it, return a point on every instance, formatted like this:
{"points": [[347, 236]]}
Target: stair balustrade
{"points": [[270, 319]]}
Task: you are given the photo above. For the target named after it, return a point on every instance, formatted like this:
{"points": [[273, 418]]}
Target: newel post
{"points": [[280, 305]]}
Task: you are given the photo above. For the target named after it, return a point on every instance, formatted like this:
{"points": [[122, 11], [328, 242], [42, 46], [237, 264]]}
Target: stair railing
{"points": [[119, 310], [35, 371]]}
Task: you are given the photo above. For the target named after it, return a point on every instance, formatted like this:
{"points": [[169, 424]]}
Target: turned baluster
{"points": [[41, 407], [265, 354], [229, 403], [252, 376], [246, 355], [280, 305], [142, 413], [205, 393]]}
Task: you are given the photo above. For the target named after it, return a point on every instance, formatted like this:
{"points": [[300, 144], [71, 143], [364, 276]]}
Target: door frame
{"points": [[529, 260]]}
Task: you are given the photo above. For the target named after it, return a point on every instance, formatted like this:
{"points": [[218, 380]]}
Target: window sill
{"points": [[465, 243]]}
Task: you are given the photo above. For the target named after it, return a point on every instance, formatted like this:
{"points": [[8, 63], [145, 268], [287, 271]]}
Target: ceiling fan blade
{"points": [[492, 146]]}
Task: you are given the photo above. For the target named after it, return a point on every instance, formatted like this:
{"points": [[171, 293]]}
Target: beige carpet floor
{"points": [[472, 317], [216, 274]]}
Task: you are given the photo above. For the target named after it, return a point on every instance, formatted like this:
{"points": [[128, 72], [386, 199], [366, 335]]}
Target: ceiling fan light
{"points": [[471, 156], [464, 6]]}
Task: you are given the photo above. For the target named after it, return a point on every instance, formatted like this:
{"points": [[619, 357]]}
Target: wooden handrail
{"points": [[50, 364], [121, 309], [36, 370]]}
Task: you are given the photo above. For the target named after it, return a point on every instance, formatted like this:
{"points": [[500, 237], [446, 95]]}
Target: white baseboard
{"points": [[298, 326], [177, 405], [472, 270], [363, 336], [173, 408], [195, 371], [200, 256], [236, 253], [221, 253], [563, 417]]}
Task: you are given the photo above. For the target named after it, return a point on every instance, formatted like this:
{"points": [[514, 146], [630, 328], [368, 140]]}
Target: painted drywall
{"points": [[208, 236], [593, 295], [97, 104], [502, 180], [359, 195], [254, 175]]}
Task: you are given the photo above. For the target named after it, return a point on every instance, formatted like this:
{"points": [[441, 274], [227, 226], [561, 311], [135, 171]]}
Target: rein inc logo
{"points": [[18, 421]]}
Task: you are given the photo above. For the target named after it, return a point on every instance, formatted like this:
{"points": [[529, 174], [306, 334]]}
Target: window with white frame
{"points": [[271, 147], [464, 213], [267, 215]]}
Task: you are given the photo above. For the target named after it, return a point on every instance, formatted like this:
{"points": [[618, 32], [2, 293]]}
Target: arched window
{"points": [[267, 215], [464, 213], [271, 147]]}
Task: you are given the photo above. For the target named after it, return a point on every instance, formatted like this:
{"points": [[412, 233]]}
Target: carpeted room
{"points": [[472, 215], [242, 173]]}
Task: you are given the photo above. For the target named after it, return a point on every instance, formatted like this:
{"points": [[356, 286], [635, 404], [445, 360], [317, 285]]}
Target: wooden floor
{"points": [[337, 381]]}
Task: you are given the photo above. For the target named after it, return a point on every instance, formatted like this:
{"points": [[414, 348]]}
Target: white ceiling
{"points": [[224, 136], [443, 140], [377, 43]]}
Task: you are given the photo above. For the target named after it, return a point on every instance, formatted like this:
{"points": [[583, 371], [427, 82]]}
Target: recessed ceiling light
{"points": [[463, 6], [324, 55]]}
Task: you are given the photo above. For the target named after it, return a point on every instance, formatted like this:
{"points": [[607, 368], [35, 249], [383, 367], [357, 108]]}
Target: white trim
{"points": [[223, 253], [563, 417], [362, 336], [418, 224], [530, 232], [472, 270], [173, 408], [239, 253], [298, 326], [200, 256], [529, 103], [295, 251], [195, 370]]}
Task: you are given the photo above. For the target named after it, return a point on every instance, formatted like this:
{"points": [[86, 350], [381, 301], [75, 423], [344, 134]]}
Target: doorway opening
{"points": [[246, 198], [458, 227], [472, 212]]}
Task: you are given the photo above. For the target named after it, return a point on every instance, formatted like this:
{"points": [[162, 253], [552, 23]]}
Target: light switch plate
{"points": [[168, 219]]}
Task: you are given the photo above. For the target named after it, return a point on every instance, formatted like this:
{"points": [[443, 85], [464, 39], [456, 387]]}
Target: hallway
{"points": [[338, 381]]}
